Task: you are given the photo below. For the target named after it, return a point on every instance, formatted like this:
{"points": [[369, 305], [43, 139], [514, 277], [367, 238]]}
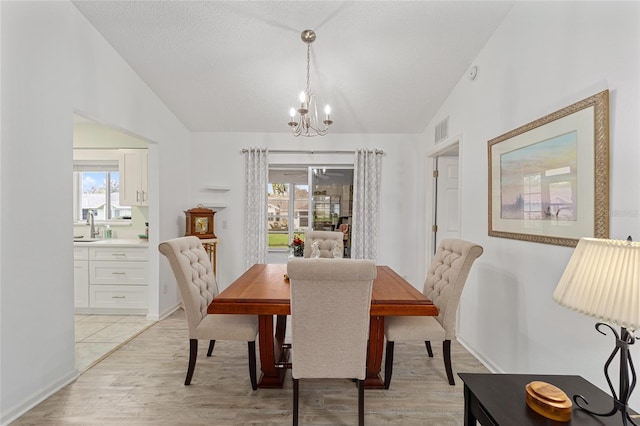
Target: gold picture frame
{"points": [[549, 179]]}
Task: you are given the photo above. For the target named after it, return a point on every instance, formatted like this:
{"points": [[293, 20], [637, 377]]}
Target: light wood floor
{"points": [[142, 384]]}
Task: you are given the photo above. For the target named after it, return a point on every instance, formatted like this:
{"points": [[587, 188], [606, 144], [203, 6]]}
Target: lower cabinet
{"points": [[115, 280], [81, 277]]}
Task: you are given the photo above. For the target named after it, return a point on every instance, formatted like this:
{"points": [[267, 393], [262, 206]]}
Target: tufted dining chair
{"points": [[330, 303], [192, 268], [327, 240], [443, 286]]}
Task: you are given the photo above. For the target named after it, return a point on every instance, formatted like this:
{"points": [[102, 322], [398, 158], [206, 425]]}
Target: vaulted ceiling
{"points": [[238, 66]]}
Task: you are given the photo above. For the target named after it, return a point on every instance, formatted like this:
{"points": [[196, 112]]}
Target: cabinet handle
{"points": [[118, 273], [118, 297], [118, 254], [144, 196], [138, 196]]}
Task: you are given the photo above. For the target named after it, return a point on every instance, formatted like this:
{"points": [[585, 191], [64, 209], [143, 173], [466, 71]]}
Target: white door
{"points": [[446, 207]]}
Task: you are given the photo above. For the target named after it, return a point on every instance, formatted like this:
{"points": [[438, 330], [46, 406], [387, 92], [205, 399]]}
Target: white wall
{"points": [[54, 64], [545, 56], [217, 160]]}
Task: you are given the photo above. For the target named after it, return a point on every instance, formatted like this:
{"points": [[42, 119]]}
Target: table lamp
{"points": [[602, 280]]}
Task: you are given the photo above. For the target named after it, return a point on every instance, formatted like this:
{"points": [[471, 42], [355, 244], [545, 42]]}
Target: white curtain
{"points": [[366, 196], [256, 176]]}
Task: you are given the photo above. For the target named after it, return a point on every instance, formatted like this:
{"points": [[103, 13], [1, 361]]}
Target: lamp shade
{"points": [[602, 280]]}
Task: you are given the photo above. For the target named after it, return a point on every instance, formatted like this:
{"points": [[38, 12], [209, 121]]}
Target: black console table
{"points": [[499, 399]]}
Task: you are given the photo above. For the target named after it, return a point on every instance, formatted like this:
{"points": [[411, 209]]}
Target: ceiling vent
{"points": [[442, 130]]}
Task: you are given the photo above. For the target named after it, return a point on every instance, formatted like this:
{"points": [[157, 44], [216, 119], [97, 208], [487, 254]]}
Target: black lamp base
{"points": [[620, 400]]}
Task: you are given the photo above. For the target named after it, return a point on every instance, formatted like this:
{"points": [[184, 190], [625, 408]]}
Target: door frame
{"points": [[444, 148]]}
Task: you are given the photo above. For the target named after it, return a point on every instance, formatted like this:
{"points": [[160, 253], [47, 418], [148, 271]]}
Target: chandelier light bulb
{"points": [[302, 97], [292, 118], [327, 110]]}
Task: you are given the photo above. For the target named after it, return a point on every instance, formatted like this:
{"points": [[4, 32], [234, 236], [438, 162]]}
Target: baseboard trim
{"points": [[484, 361], [10, 415], [165, 313]]}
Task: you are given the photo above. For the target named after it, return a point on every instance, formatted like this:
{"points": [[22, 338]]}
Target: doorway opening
{"points": [[103, 318]]}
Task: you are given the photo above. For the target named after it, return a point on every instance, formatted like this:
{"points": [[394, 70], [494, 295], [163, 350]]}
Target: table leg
{"points": [[271, 351], [469, 399], [374, 357]]}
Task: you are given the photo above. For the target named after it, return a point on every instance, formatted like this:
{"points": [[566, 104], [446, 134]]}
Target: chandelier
{"points": [[306, 122]]}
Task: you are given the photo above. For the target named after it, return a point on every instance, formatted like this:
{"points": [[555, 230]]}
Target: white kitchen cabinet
{"points": [[118, 279], [133, 177], [81, 277]]}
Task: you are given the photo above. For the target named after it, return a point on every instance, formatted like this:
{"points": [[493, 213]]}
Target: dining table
{"points": [[264, 290]]}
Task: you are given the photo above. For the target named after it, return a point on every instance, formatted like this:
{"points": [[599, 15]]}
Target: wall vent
{"points": [[442, 130]]}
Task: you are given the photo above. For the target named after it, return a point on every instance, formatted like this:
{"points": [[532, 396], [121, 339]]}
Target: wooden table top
{"points": [[263, 290]]}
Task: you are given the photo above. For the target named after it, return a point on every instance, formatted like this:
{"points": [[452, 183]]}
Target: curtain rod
{"points": [[307, 151]]}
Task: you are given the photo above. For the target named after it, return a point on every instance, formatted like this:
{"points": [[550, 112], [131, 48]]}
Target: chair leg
{"points": [[211, 345], [361, 402], [388, 364], [193, 354], [295, 402], [429, 351], [446, 351], [252, 364]]}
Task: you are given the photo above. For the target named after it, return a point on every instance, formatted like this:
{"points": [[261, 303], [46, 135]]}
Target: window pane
{"points": [[301, 210], [94, 194], [117, 211], [100, 192], [277, 212]]}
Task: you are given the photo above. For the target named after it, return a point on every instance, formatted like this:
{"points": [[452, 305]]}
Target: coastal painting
{"points": [[539, 181], [549, 179]]}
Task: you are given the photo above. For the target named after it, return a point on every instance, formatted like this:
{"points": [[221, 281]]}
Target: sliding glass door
{"points": [[307, 197], [332, 201]]}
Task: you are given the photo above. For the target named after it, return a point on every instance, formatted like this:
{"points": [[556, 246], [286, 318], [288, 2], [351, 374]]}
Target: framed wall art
{"points": [[549, 179]]}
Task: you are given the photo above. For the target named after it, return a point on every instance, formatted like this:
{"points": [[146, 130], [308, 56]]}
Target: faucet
{"points": [[92, 231]]}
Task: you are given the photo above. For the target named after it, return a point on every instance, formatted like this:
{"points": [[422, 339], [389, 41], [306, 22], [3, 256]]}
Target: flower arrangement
{"points": [[297, 246]]}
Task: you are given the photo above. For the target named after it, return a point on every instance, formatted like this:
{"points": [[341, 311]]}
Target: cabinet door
{"points": [[81, 283], [144, 187], [80, 253], [133, 177]]}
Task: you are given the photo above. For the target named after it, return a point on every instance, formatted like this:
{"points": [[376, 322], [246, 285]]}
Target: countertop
{"points": [[115, 242]]}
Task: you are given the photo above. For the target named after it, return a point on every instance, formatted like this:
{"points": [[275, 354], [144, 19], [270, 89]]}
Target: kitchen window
{"points": [[96, 187]]}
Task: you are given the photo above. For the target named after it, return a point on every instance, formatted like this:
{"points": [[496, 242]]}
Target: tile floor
{"points": [[97, 336]]}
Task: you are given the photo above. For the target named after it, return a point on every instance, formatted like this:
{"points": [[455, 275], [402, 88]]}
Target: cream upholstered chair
{"points": [[192, 268], [327, 240], [445, 280], [330, 302]]}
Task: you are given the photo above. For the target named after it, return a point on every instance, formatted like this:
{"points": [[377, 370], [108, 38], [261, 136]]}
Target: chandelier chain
{"points": [[308, 69]]}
